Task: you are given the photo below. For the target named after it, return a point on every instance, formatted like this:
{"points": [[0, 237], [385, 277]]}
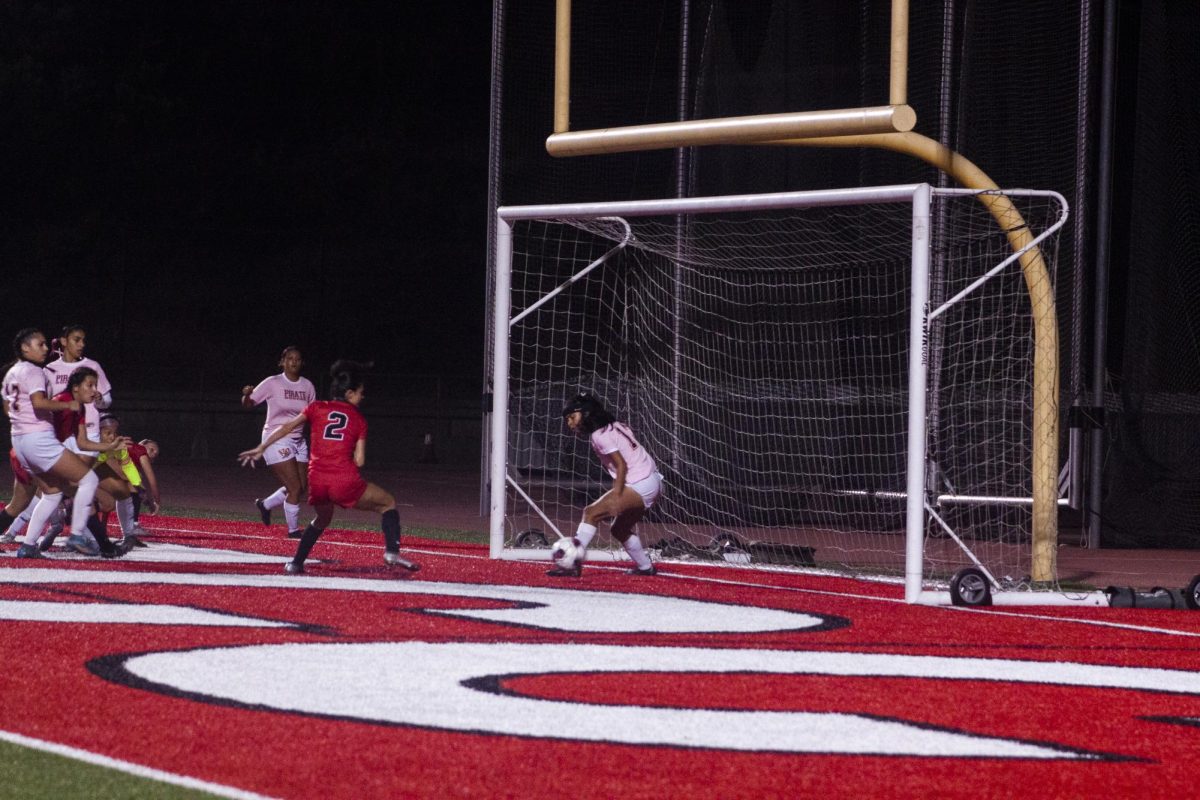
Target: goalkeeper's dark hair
{"points": [[346, 376], [595, 415]]}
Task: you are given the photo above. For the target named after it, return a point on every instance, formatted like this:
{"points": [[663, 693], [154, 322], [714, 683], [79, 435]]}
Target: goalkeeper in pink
{"points": [[636, 483]]}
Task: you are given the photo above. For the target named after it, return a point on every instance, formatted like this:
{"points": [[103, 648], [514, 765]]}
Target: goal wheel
{"points": [[531, 539], [1191, 595], [970, 587]]}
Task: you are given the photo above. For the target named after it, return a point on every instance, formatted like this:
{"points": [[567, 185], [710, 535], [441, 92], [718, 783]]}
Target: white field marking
{"points": [[166, 553], [534, 606], [323, 541], [1101, 623], [793, 589], [126, 613], [130, 768], [450, 686], [968, 609]]}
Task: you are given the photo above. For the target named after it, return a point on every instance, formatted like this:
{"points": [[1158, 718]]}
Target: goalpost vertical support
{"points": [[500, 353], [918, 366]]}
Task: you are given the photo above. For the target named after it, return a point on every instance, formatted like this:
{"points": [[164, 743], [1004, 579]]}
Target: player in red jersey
{"points": [[79, 431], [18, 503], [144, 454], [338, 436], [131, 467]]}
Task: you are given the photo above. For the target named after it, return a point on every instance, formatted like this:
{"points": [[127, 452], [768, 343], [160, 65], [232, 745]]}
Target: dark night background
{"points": [[201, 184]]}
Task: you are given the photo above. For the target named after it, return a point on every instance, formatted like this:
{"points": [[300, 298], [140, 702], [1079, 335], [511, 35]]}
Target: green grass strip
{"points": [[37, 775]]}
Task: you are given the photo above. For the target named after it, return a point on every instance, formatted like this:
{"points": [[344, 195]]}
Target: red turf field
{"points": [[198, 657]]}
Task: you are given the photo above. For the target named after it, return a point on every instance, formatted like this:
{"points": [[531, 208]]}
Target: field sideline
{"points": [[196, 661]]}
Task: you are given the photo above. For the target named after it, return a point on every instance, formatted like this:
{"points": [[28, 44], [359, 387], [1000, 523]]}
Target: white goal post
{"points": [[838, 380]]}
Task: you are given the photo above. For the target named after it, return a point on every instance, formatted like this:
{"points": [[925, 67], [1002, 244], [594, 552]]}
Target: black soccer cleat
{"points": [[651, 570], [29, 551], [128, 542], [292, 568], [564, 572], [296, 534], [263, 511]]}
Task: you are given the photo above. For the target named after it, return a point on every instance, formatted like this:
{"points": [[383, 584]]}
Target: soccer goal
{"points": [[835, 380]]}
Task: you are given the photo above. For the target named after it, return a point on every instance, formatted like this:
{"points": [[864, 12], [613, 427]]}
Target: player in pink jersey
{"points": [[339, 449], [636, 483], [29, 408], [70, 346], [286, 395]]}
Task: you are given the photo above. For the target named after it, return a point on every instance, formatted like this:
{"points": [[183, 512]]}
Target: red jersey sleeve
{"points": [[66, 422], [136, 451]]}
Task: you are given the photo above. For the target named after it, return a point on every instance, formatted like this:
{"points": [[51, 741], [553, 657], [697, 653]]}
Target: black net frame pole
{"points": [[1103, 232]]}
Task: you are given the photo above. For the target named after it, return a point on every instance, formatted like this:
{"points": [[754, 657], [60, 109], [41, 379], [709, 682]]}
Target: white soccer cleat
{"points": [[396, 560]]}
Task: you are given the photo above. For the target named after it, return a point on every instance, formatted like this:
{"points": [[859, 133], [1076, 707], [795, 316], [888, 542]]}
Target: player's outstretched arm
{"points": [[248, 457]]}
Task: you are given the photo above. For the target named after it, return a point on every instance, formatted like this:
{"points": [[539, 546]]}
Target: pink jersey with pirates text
{"points": [[284, 400], [618, 438], [58, 372], [20, 383]]}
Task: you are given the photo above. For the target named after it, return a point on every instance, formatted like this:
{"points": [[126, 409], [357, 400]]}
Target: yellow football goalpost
{"points": [[888, 127]]}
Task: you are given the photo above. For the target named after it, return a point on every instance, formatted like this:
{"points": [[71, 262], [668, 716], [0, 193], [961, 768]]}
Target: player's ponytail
{"points": [[23, 336], [346, 376]]}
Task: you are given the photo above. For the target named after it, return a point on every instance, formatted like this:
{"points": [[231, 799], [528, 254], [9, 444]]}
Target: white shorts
{"points": [[38, 452], [648, 488], [74, 447], [286, 449]]}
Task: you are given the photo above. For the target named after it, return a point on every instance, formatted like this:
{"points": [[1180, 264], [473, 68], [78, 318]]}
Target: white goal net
{"points": [[766, 349]]}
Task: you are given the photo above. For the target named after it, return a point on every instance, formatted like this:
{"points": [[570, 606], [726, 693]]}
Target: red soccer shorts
{"points": [[341, 491]]}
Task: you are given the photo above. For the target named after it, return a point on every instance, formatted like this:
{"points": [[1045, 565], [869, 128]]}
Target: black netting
{"points": [[1152, 477]]}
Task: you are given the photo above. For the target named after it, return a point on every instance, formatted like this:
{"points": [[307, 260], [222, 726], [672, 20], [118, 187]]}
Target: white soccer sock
{"points": [[633, 546], [277, 499], [291, 513], [22, 519], [41, 515], [584, 534], [82, 506], [125, 515]]}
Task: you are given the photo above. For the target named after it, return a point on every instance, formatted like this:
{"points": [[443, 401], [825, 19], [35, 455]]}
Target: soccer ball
{"points": [[564, 553]]}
